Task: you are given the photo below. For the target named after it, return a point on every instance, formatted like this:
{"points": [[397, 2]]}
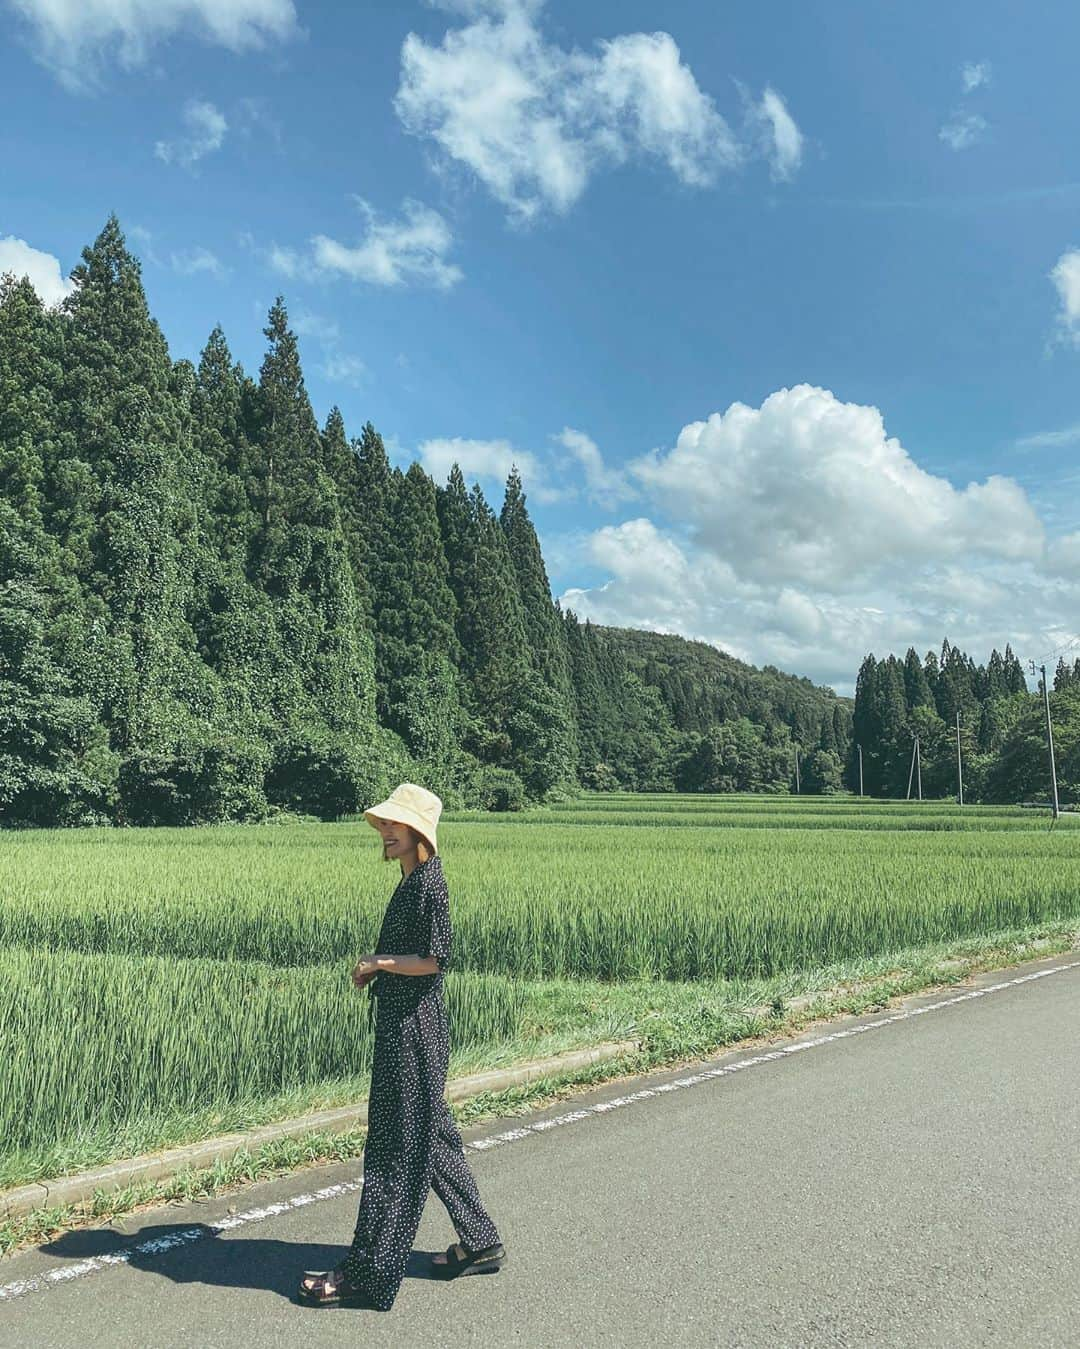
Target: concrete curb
{"points": [[342, 1119]]}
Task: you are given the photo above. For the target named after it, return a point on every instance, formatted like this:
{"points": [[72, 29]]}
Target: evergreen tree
{"points": [[52, 769], [127, 521], [585, 681], [377, 551], [416, 615], [341, 463], [916, 687], [323, 692], [545, 632]]}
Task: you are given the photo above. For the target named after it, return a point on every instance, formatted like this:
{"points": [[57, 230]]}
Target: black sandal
{"points": [[487, 1261], [344, 1294]]}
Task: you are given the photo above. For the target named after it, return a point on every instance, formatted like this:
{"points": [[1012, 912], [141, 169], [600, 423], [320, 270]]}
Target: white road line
{"points": [[41, 1283]]}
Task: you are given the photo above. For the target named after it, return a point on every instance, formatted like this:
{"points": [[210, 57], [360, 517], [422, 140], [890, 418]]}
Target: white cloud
{"points": [[391, 253], [190, 261], [206, 127], [341, 368], [974, 75], [1049, 440], [799, 534], [533, 121], [490, 460], [1064, 554], [337, 365], [77, 38], [963, 130], [606, 486], [783, 141], [834, 495], [43, 269], [1066, 278], [324, 330]]}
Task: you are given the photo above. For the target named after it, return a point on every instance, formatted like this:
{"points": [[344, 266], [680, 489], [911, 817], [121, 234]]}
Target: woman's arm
{"points": [[407, 964], [368, 966]]}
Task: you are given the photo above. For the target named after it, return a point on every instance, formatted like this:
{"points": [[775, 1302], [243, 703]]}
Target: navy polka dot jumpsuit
{"points": [[413, 1143]]}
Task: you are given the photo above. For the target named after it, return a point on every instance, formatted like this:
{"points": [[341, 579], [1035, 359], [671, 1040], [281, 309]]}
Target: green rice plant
{"points": [[651, 898], [103, 1050]]}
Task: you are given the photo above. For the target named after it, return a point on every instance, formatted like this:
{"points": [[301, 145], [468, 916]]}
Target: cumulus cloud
{"points": [[800, 534], [533, 121], [410, 249], [832, 493], [42, 269], [490, 461], [205, 132], [1066, 279], [76, 39]]}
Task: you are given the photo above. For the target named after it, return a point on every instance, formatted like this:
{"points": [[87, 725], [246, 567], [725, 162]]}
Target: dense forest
{"points": [[212, 608], [1000, 724]]}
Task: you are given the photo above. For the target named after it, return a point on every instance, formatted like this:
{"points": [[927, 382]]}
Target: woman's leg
{"points": [[397, 1165], [454, 1183]]}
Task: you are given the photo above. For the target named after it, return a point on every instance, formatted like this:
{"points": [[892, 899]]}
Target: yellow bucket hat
{"points": [[411, 805]]}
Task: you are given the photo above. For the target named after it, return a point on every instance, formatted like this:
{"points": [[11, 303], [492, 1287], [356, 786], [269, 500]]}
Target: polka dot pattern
{"points": [[413, 1144]]}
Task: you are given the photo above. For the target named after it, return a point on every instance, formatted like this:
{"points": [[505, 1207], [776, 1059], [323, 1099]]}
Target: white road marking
{"points": [[41, 1283]]}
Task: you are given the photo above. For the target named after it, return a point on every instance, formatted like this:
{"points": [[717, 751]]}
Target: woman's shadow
{"points": [[194, 1253]]}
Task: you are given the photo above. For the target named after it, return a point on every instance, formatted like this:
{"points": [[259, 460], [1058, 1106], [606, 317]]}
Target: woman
{"points": [[412, 1142]]}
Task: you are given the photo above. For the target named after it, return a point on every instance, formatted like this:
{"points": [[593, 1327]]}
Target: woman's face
{"points": [[399, 841]]}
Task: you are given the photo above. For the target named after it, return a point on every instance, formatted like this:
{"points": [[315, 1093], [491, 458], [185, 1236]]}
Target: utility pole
{"points": [[916, 762], [798, 785], [959, 761], [1049, 739], [859, 748]]}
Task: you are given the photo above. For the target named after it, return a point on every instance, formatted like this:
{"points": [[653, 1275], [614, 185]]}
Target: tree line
{"points": [[945, 697], [212, 608]]}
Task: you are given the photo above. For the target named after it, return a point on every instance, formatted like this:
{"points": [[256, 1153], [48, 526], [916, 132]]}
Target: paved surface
{"points": [[917, 1185]]}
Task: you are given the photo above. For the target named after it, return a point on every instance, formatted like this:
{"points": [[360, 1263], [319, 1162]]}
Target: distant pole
{"points": [[859, 748], [959, 761], [911, 770], [798, 785], [918, 766], [1049, 738]]}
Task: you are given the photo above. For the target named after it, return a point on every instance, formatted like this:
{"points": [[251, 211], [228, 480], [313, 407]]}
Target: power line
{"points": [[1055, 651]]}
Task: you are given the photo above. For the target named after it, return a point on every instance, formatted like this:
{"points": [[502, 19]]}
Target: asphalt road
{"points": [[913, 1185]]}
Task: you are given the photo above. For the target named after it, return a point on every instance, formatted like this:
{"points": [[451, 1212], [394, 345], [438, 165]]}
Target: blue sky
{"points": [[777, 307]]}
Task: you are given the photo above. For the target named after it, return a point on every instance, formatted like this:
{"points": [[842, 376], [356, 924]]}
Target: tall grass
{"points": [[99, 1049]]}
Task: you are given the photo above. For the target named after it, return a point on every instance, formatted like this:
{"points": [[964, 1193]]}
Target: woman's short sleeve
{"points": [[436, 918]]}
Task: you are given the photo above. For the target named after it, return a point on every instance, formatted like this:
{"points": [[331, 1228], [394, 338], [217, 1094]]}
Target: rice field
{"points": [[158, 984]]}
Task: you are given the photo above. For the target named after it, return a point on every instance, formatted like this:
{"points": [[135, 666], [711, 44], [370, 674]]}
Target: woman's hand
{"points": [[366, 969]]}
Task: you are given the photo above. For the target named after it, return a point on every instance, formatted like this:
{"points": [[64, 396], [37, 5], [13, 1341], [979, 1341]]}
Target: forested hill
{"points": [[212, 608], [703, 685], [727, 726]]}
